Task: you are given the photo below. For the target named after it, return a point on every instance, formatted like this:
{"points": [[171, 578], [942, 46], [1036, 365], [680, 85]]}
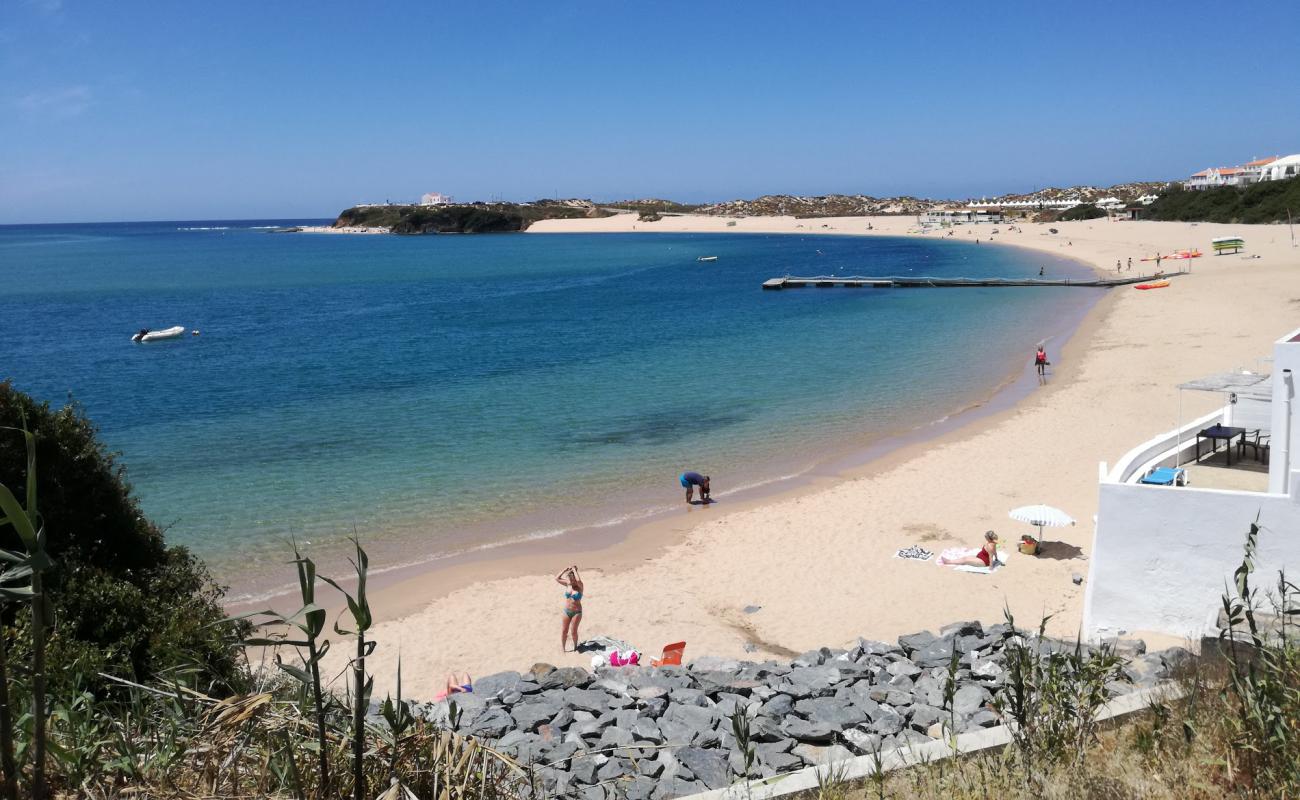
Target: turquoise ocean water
{"points": [[445, 393]]}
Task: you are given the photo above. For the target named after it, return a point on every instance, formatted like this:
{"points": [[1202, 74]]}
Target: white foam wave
{"points": [[214, 228]]}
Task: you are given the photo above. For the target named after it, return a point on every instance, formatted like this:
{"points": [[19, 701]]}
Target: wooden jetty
{"points": [[859, 282]]}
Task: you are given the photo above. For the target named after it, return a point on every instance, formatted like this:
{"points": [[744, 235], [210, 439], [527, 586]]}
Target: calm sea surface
{"points": [[443, 393]]}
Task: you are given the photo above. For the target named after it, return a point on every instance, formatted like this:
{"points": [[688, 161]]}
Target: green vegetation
{"points": [[470, 218], [654, 205], [1257, 203], [123, 601], [1081, 211]]}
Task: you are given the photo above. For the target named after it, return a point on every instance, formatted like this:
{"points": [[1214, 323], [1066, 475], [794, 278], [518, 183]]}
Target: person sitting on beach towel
{"points": [[455, 687], [983, 558]]}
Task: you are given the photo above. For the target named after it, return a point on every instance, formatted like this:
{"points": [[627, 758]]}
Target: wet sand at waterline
{"points": [[818, 559]]}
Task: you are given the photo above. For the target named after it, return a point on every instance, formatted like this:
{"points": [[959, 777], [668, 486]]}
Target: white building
{"points": [[946, 216], [1038, 203], [436, 199], [1262, 169], [1280, 169], [1162, 554]]}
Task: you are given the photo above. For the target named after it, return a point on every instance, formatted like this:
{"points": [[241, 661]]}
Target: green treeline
{"points": [[470, 218], [1257, 203]]}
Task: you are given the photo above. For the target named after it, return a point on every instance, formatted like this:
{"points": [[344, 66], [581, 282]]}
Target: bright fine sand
{"points": [[818, 559]]}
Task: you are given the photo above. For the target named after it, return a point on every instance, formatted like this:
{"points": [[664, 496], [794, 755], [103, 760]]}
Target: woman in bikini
{"points": [[984, 558], [572, 606]]}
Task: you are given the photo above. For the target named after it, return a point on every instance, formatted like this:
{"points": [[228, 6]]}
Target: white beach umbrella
{"points": [[1042, 516]]}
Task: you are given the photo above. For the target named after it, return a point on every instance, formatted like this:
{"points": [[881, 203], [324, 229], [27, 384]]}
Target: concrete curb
{"points": [[861, 767]]}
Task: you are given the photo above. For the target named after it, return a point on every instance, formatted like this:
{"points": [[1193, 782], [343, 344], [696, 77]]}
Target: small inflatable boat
{"points": [[1156, 285], [157, 336]]}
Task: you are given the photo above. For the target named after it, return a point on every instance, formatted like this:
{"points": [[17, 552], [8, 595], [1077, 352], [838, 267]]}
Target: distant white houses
{"points": [[436, 199], [1069, 202], [1275, 168], [961, 216]]}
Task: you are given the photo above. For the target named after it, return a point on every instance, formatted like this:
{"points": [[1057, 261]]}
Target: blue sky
{"points": [[124, 110]]}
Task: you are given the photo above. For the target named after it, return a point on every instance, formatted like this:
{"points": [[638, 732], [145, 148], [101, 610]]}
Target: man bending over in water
{"points": [[690, 480]]}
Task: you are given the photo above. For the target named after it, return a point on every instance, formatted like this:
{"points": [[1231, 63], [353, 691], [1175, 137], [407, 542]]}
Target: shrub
{"points": [[1257, 203], [1081, 211], [124, 601]]}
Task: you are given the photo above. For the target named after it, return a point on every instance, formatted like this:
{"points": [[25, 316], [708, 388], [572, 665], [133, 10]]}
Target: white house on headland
{"points": [[1280, 169], [436, 199], [1163, 552], [1274, 168]]}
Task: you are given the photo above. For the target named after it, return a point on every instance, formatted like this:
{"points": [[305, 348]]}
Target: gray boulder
{"points": [[584, 770], [492, 724], [529, 716], [971, 628], [922, 717], [639, 788], [654, 707], [692, 697], [832, 712], [708, 766], [902, 667], [564, 678], [778, 706], [887, 723], [969, 699], [862, 741], [935, 654], [808, 731], [915, 641], [497, 684], [984, 718], [592, 700]]}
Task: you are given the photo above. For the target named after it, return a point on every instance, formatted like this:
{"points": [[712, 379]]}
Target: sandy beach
{"points": [[818, 560]]}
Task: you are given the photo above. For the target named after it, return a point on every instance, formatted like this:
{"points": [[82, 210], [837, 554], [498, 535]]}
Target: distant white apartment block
{"points": [[436, 199], [1274, 168]]}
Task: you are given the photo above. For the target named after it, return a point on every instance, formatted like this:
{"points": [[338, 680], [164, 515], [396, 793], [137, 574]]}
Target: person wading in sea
{"points": [[690, 480], [1040, 360]]}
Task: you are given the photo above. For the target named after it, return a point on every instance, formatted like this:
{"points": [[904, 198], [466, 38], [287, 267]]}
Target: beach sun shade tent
{"points": [[1042, 516]]}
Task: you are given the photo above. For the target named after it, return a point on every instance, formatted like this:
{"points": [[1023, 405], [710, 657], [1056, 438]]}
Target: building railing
{"points": [[1167, 447]]}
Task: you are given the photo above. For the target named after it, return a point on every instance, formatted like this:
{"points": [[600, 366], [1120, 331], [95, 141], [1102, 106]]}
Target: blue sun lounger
{"points": [[1165, 476]]}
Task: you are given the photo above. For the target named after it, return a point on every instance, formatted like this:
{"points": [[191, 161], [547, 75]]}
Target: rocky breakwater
{"points": [[668, 732]]}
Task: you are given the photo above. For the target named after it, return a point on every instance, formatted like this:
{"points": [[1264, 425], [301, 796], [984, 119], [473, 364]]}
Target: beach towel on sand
{"points": [[955, 553], [914, 552]]}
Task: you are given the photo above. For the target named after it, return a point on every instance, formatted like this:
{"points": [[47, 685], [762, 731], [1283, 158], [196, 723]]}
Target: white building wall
{"points": [[1163, 556], [1286, 371]]}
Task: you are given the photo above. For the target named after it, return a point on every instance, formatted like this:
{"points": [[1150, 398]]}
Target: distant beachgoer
{"points": [[689, 480], [1040, 360], [984, 558], [1118, 266], [1040, 271], [572, 606], [1130, 265]]}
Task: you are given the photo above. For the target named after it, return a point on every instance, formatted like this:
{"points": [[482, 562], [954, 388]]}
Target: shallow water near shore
{"points": [[448, 393]]}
